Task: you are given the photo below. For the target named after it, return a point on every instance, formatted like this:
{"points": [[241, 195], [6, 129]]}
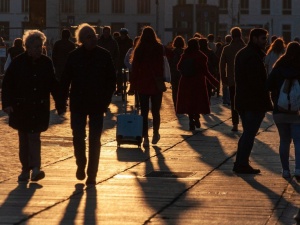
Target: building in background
{"points": [[168, 17]]}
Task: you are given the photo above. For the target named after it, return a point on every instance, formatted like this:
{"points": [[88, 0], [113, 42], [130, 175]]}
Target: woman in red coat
{"points": [[192, 97]]}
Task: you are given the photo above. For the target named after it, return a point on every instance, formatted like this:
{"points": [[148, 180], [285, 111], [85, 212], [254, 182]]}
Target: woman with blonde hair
{"points": [[276, 49]]}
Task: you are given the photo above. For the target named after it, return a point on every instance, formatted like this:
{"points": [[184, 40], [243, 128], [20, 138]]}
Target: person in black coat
{"points": [[26, 89], [90, 73], [252, 99]]}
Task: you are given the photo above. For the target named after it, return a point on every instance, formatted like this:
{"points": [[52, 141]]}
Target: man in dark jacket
{"points": [[252, 100], [109, 43], [60, 52], [90, 72]]}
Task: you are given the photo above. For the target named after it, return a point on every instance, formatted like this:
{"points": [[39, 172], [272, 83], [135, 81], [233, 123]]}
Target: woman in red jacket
{"points": [[192, 97], [147, 63]]}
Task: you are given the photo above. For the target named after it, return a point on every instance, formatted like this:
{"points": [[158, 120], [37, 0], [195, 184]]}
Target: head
{"points": [[228, 38], [258, 37], [18, 42], [116, 34], [192, 45], [210, 37], [123, 32], [293, 50], [148, 35], [65, 34], [297, 39], [273, 38], [236, 33], [86, 36], [277, 46], [34, 41], [203, 44], [106, 31], [178, 42], [197, 35]]}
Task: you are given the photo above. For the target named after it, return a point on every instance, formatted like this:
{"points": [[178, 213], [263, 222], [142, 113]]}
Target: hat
{"points": [[123, 31]]}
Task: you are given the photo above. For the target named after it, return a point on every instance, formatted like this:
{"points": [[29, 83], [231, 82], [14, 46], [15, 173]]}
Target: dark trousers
{"points": [[155, 108], [78, 125], [29, 150], [251, 122], [234, 113]]}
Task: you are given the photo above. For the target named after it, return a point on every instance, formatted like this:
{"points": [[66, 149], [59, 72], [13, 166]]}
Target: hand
{"points": [[8, 110]]}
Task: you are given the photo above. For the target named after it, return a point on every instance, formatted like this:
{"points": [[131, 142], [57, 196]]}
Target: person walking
{"points": [[124, 43], [148, 63], [60, 52], [192, 97], [14, 51], [107, 41], [226, 68], [276, 49], [90, 73], [26, 89], [288, 124], [178, 45], [252, 100]]}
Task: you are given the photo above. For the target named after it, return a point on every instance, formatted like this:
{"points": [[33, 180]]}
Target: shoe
{"points": [[246, 169], [90, 181], [286, 174], [197, 123], [80, 173], [235, 127], [146, 142], [37, 174], [155, 138], [24, 176]]}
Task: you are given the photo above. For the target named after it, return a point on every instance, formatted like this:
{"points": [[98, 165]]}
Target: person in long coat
{"points": [[26, 89], [192, 97]]}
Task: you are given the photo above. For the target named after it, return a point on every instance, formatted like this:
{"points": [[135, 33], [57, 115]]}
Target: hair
{"points": [[147, 39], [273, 38], [80, 30], [256, 32], [107, 28], [32, 35], [197, 35], [277, 46], [18, 42], [116, 34], [178, 42], [228, 38], [65, 34], [192, 45], [210, 37], [236, 32], [136, 40], [203, 44], [291, 56], [124, 31]]}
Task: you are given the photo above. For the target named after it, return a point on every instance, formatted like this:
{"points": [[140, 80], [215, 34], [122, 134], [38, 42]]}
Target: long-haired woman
{"points": [[276, 49], [148, 63]]}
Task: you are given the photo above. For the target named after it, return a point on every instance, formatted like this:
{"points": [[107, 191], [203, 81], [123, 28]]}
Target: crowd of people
{"points": [[90, 71]]}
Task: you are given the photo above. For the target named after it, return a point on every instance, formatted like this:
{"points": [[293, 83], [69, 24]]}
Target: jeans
{"points": [[29, 150], [234, 113], [78, 125], [155, 108], [251, 122], [287, 133]]}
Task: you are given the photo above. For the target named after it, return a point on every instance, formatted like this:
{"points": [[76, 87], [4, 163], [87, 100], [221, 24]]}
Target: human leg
{"points": [[234, 113], [251, 122], [285, 135], [24, 156], [144, 104], [95, 130], [156, 101], [78, 124], [295, 130]]}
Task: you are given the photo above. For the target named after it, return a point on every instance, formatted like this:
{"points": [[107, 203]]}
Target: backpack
{"points": [[289, 96], [188, 67]]}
